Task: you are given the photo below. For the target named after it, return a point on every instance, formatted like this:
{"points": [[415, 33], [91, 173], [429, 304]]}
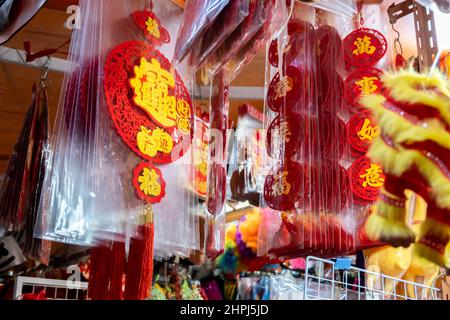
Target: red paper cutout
{"points": [[361, 82], [364, 47], [286, 135], [367, 179], [331, 91], [149, 183], [330, 47], [332, 133], [299, 32], [361, 131], [151, 26], [128, 117], [283, 186], [284, 94]]}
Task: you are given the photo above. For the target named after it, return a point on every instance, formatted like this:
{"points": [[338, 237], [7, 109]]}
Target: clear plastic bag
{"points": [[95, 187], [308, 184], [199, 16], [229, 19]]}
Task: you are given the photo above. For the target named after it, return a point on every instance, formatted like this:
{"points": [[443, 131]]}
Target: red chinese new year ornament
{"points": [[149, 183], [362, 82], [367, 180], [299, 33], [283, 186], [148, 102], [364, 47], [330, 47], [361, 132], [284, 92], [151, 26], [285, 135]]}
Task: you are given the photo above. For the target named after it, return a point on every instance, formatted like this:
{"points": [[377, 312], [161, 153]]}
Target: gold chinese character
{"points": [[368, 132], [283, 134], [149, 143], [373, 177], [149, 183], [281, 185], [153, 28], [367, 85], [151, 87], [364, 45], [283, 87]]}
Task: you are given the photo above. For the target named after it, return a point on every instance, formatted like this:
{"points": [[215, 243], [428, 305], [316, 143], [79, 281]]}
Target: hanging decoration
{"points": [[151, 27], [364, 47], [149, 104], [361, 83], [157, 120]]}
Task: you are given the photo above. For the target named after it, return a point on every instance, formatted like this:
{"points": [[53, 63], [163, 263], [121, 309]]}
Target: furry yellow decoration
{"points": [[414, 151]]}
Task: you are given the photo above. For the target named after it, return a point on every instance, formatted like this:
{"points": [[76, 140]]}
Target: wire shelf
{"points": [[325, 281], [54, 289]]}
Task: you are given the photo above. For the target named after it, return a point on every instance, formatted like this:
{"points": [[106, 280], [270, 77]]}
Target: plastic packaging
{"points": [[112, 154], [217, 176], [198, 17], [236, 41], [308, 186], [229, 19]]}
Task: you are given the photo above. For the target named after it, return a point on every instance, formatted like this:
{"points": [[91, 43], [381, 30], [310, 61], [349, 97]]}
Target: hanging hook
{"points": [[44, 71], [397, 43]]}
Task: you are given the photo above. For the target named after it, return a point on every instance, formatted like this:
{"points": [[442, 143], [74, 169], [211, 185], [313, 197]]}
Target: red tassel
{"points": [[140, 264], [117, 270], [107, 267], [99, 277]]}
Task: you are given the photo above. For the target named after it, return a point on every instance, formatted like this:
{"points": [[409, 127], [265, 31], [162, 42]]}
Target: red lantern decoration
{"points": [[364, 47], [362, 82]]}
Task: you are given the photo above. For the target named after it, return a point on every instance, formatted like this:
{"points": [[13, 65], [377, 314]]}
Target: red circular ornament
{"points": [[329, 185], [330, 47], [283, 186], [151, 26], [332, 136], [299, 32], [217, 182], [284, 94], [364, 47], [285, 135], [156, 125], [331, 91], [367, 179], [362, 131], [362, 82], [149, 183]]}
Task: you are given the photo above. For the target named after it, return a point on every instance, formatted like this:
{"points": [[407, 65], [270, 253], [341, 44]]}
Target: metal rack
{"points": [[331, 281], [54, 289]]}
